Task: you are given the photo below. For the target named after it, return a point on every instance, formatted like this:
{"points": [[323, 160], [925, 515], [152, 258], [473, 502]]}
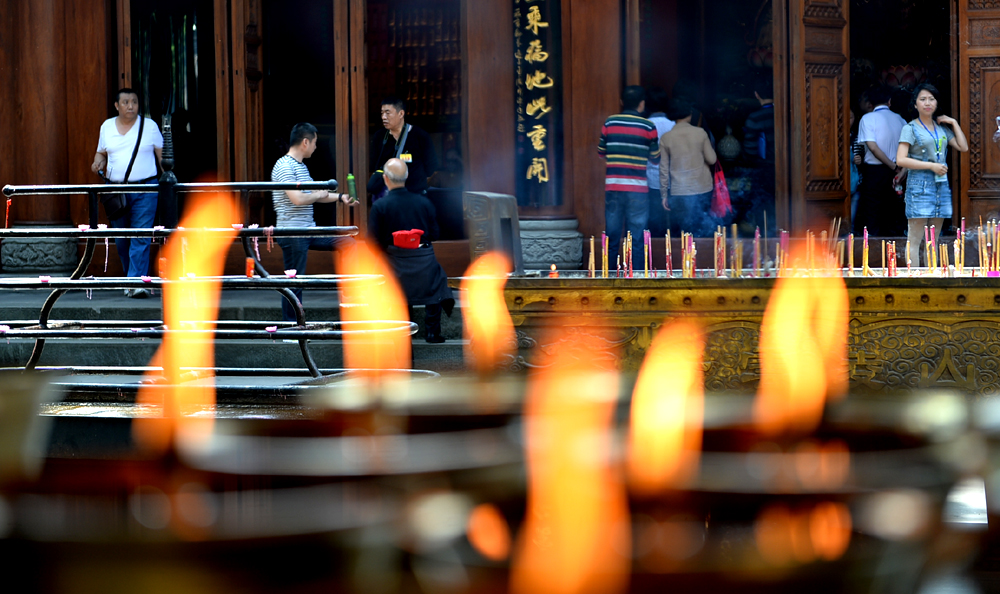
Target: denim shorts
{"points": [[927, 198]]}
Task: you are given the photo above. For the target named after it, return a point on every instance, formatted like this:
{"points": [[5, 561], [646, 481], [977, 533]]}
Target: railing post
{"points": [[167, 197]]}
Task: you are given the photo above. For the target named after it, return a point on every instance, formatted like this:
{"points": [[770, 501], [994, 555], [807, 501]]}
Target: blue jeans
{"points": [[134, 251], [692, 214], [625, 210], [295, 253], [659, 219]]}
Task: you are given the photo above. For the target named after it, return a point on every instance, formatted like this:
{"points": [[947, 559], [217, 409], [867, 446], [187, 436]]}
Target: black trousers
{"points": [[880, 209]]}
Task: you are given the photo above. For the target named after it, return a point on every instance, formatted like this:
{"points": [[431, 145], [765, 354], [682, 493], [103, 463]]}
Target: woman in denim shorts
{"points": [[923, 151]]}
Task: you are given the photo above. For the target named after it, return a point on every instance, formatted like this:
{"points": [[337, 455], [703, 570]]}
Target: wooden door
{"points": [[812, 117], [979, 105]]}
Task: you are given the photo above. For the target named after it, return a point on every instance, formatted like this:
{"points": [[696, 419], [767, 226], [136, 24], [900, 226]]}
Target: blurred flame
{"points": [[784, 536], [371, 302], [576, 532], [803, 353], [488, 532], [488, 329], [188, 307], [668, 410]]}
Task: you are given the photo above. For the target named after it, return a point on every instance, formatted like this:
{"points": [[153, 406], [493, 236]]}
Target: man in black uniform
{"points": [[422, 278], [405, 142]]}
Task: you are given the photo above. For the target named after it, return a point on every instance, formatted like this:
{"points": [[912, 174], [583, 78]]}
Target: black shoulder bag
{"points": [[116, 205]]}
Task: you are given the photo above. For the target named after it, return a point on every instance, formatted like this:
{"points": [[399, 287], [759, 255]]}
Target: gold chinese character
{"points": [[538, 79], [537, 136], [539, 168], [538, 106], [535, 53], [535, 20]]}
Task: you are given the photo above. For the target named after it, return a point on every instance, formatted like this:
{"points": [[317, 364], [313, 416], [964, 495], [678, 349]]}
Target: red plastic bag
{"points": [[720, 194], [407, 239]]}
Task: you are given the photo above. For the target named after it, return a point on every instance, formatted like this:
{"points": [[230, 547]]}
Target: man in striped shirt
{"points": [[295, 207], [629, 142]]}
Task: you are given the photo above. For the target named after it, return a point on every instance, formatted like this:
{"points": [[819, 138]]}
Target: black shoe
{"points": [[434, 338]]}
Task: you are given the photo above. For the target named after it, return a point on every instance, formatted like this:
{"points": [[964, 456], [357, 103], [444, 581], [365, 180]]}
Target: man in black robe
{"points": [[421, 276]]}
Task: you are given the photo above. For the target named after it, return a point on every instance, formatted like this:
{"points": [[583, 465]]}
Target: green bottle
{"points": [[352, 188]]}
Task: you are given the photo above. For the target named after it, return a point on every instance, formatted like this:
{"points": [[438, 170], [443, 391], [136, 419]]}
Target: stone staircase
{"points": [[238, 305]]}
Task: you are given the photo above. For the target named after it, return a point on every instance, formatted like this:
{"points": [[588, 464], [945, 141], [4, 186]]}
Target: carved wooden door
{"points": [[812, 112], [979, 105]]}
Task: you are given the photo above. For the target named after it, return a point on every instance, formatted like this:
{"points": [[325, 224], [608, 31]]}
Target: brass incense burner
{"points": [[905, 333]]}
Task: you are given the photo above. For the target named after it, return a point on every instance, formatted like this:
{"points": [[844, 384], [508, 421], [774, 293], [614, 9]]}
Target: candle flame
{"points": [[803, 352], [488, 532], [368, 304], [488, 329], [576, 533], [188, 307], [667, 411], [786, 537]]}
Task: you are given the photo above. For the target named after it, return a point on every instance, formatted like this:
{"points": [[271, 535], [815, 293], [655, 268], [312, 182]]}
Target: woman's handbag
{"points": [[116, 205], [721, 206]]}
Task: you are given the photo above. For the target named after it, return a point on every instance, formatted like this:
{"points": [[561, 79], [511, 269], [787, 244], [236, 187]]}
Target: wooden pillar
{"points": [[40, 97], [592, 73], [88, 103], [487, 95]]}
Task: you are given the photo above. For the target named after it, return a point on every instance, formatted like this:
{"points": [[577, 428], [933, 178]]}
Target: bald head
{"points": [[395, 173]]}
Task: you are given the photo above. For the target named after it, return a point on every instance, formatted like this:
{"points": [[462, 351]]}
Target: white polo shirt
{"points": [[883, 127]]}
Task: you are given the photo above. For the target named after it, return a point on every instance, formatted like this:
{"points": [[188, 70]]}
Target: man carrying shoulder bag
{"points": [[129, 151]]}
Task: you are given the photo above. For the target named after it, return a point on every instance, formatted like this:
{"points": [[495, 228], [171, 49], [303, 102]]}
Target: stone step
{"points": [[446, 357], [234, 305]]}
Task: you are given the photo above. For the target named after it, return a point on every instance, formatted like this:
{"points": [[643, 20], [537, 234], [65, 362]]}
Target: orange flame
{"points": [[188, 307], [576, 533], [488, 329], [488, 532], [667, 411], [785, 537], [369, 304], [803, 352]]}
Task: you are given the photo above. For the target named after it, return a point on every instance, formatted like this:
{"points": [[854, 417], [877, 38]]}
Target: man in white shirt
{"points": [[115, 147], [880, 208]]}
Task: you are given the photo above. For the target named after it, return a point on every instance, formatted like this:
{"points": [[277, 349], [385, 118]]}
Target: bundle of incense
{"points": [[716, 251], [604, 254], [618, 265], [890, 269], [670, 258], [645, 255], [958, 257], [865, 271], [756, 253], [850, 254], [649, 251], [961, 266], [590, 266], [907, 257], [885, 267], [934, 250], [945, 265], [840, 254]]}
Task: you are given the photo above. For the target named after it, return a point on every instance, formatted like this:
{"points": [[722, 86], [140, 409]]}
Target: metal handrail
{"points": [[12, 190]]}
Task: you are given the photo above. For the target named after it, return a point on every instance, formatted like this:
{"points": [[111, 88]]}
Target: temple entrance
{"points": [[718, 57], [899, 44]]}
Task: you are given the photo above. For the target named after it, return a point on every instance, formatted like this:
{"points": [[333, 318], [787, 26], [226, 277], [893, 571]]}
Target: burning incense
{"points": [[670, 258], [590, 267], [850, 254]]}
